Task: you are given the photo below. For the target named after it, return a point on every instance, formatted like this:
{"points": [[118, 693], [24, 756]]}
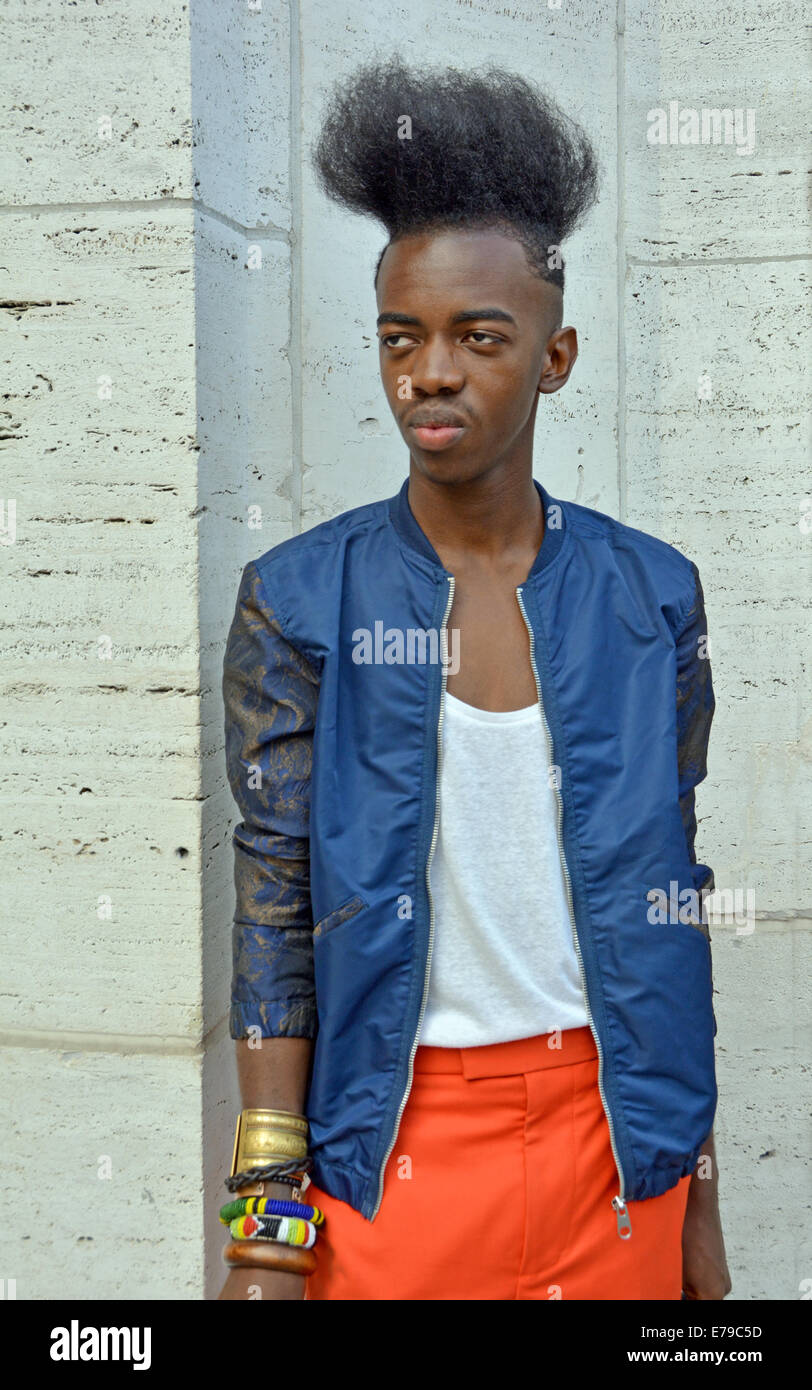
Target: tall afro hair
{"points": [[424, 151]]}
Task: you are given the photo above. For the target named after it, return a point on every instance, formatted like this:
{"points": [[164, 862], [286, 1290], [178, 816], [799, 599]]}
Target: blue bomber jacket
{"points": [[332, 759]]}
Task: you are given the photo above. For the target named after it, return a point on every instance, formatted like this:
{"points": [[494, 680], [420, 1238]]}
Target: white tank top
{"points": [[503, 960]]}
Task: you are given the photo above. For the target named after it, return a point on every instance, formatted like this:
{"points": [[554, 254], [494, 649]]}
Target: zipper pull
{"points": [[624, 1225]]}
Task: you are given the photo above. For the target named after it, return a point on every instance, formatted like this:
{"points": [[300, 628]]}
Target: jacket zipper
{"points": [[431, 902], [624, 1225]]}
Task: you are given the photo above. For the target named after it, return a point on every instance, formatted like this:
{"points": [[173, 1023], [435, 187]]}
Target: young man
{"points": [[464, 727]]}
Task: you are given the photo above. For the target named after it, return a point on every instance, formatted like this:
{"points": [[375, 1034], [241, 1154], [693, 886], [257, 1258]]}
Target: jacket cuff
{"points": [[274, 1018], [704, 881]]}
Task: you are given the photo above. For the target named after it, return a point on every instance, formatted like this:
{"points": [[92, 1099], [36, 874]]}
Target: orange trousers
{"points": [[499, 1186]]}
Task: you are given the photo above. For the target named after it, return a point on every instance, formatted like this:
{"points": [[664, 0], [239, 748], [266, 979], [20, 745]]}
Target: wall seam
{"points": [[124, 205], [620, 58], [295, 350], [687, 263]]}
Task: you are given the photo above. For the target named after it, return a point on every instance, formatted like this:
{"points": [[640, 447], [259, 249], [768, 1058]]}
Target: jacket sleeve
{"points": [[270, 694], [695, 708]]}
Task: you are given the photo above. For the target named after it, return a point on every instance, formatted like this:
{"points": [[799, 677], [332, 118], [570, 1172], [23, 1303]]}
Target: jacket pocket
{"points": [[339, 915]]}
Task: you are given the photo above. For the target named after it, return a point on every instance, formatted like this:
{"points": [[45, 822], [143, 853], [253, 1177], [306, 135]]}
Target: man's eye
{"points": [[478, 333]]}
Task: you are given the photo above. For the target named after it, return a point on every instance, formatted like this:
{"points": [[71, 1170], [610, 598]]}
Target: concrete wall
{"points": [[100, 842], [185, 254]]}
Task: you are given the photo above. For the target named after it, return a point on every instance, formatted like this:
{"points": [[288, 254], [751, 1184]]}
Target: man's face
{"points": [[472, 333]]}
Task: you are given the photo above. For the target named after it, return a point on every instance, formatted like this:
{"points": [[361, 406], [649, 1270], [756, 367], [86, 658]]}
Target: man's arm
{"points": [[695, 710], [270, 693], [705, 1271], [705, 1274]]}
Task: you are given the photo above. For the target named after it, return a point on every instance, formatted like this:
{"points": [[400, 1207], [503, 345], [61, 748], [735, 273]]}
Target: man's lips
{"points": [[437, 436]]}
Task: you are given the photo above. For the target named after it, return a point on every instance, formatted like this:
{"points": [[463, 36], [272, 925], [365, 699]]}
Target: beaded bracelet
{"points": [[284, 1229], [271, 1206], [262, 1252]]}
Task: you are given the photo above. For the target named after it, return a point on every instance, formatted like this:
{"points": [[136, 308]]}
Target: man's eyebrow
{"points": [[466, 316], [501, 315], [397, 318]]}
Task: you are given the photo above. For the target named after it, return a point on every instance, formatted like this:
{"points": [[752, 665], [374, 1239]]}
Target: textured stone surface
{"points": [[100, 641], [762, 1128], [100, 1014], [98, 332], [119, 1131], [100, 103], [721, 478], [695, 202], [244, 405], [240, 72]]}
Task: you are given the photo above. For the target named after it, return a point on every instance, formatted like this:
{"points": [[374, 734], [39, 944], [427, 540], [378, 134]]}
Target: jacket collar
{"points": [[403, 520]]}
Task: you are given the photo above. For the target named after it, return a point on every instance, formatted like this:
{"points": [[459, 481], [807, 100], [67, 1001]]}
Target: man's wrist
{"points": [[703, 1189], [703, 1195]]}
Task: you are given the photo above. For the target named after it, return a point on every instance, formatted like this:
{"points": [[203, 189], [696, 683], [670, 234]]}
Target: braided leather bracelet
{"points": [[290, 1171]]}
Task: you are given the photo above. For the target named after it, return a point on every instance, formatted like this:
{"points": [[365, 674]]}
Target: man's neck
{"points": [[495, 521]]}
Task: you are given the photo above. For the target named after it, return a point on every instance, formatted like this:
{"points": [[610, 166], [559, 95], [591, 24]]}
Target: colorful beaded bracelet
{"points": [[285, 1229], [270, 1206]]}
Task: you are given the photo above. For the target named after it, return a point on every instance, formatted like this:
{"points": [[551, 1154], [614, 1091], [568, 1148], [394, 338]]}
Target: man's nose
{"points": [[436, 367]]}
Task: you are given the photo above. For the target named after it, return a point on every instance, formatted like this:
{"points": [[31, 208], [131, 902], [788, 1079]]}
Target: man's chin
{"points": [[445, 467], [441, 468]]}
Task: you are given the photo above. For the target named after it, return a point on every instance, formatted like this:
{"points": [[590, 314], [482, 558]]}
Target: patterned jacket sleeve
{"points": [[270, 694], [695, 708]]}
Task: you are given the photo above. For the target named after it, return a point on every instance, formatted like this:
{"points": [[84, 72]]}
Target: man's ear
{"points": [[559, 360]]}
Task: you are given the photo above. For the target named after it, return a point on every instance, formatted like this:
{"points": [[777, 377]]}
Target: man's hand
{"points": [[705, 1274]]}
